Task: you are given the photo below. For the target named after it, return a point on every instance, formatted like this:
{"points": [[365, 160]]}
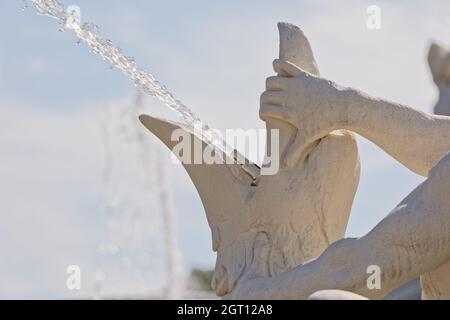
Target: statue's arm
{"points": [[416, 139], [413, 239], [316, 106]]}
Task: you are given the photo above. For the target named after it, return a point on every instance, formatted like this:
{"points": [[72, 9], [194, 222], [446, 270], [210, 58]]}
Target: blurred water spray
{"points": [[139, 216]]}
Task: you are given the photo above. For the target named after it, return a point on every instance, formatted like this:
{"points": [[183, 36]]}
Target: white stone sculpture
{"points": [[439, 62], [279, 239]]}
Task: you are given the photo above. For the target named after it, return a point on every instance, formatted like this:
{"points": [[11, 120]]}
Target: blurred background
{"points": [[82, 183]]}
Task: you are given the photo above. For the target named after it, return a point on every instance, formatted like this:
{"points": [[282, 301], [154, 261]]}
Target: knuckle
{"points": [[270, 81], [263, 109], [268, 97], [263, 96], [262, 113]]}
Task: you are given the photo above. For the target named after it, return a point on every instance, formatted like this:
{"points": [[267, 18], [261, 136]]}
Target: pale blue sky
{"points": [[214, 55]]}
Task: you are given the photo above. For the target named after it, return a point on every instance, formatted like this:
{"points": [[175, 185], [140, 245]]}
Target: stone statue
{"points": [[281, 238], [439, 62]]}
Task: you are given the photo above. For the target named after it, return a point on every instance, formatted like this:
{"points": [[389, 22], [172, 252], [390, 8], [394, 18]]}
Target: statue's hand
{"points": [[250, 289], [253, 283], [313, 105]]}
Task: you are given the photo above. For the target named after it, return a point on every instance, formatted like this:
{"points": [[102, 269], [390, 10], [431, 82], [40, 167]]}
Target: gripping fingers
{"points": [[272, 97], [270, 111], [275, 83]]}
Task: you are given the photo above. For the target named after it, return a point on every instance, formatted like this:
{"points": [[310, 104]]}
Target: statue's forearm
{"points": [[342, 266], [416, 139]]}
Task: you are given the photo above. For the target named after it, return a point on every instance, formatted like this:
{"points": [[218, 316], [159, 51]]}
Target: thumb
{"points": [[260, 261], [298, 150], [286, 68]]}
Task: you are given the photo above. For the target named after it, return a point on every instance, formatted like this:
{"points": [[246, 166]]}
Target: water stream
{"points": [[88, 33]]}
